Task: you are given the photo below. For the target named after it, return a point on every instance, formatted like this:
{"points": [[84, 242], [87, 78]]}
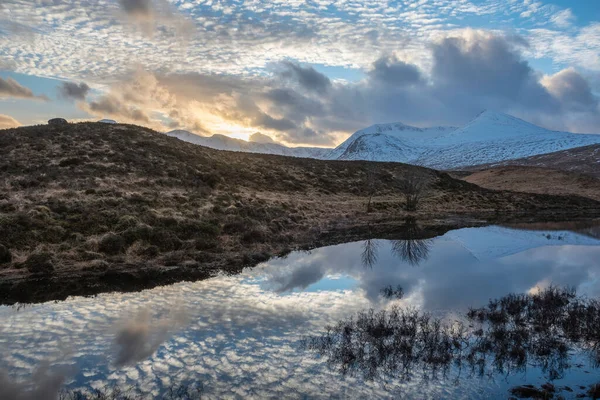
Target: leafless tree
{"points": [[413, 186]]}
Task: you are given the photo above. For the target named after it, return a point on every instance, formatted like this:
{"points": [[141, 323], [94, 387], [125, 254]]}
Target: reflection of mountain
{"points": [[589, 228], [495, 241]]}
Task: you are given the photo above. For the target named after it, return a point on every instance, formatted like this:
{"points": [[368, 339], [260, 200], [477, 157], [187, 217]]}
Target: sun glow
{"points": [[233, 131]]}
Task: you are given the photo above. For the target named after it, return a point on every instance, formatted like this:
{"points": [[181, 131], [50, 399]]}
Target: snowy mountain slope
{"points": [[490, 137], [222, 142], [496, 241], [371, 142]]}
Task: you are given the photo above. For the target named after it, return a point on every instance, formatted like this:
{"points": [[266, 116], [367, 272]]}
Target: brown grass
{"points": [[537, 180]]}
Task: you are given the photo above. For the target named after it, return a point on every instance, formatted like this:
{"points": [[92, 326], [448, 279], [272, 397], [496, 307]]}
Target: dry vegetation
{"points": [[537, 180], [91, 207]]}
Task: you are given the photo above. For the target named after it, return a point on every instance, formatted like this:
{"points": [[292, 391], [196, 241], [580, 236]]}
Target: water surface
{"points": [[239, 336]]}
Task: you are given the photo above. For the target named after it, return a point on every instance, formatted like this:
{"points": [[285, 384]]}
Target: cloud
{"points": [[113, 107], [469, 72], [7, 121], [563, 18], [388, 70], [12, 88], [308, 78], [571, 89], [154, 16], [71, 90]]}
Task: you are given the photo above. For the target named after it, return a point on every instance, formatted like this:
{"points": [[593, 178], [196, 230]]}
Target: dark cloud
{"points": [[391, 71], [487, 67], [12, 88], [308, 77], [6, 121], [572, 90], [278, 124], [71, 90], [111, 106]]}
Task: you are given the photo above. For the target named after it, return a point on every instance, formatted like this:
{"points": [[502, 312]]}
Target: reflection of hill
{"points": [[589, 228], [495, 241]]}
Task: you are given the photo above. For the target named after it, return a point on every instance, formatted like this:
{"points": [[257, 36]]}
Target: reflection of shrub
{"points": [[510, 334], [39, 263], [5, 255], [111, 244]]}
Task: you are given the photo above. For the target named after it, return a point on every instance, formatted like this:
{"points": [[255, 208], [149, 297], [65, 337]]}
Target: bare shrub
{"points": [[413, 186]]}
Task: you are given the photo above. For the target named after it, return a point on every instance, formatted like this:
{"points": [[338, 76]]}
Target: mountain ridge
{"points": [[490, 137]]}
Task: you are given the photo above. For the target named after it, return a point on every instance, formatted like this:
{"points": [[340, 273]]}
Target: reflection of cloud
{"points": [[45, 384], [241, 337], [140, 337]]}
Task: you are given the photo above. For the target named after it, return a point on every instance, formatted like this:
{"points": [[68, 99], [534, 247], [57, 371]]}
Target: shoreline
{"points": [[40, 288]]}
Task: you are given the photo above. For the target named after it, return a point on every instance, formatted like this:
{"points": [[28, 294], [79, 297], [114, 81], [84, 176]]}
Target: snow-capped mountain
{"points": [[222, 142], [490, 137], [388, 142]]}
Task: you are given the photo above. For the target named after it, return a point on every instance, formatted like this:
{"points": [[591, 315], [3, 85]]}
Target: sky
{"points": [[304, 72]]}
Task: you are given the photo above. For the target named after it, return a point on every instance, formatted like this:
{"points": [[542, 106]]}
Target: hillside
{"points": [[583, 160], [91, 207], [536, 180]]}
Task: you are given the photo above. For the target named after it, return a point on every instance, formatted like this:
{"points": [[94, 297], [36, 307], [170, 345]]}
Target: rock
{"points": [[107, 121], [57, 122], [39, 263]]}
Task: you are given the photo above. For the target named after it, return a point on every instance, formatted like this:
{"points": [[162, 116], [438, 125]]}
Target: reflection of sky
{"points": [[240, 335]]}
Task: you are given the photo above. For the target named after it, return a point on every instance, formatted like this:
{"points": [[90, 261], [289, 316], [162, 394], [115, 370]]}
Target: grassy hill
{"points": [[537, 180], [91, 207]]}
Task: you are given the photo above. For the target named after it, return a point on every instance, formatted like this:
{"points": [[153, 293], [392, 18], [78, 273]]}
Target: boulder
{"points": [[108, 121], [57, 121]]}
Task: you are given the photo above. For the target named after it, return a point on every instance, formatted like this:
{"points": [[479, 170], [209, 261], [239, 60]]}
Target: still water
{"points": [[240, 336]]}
